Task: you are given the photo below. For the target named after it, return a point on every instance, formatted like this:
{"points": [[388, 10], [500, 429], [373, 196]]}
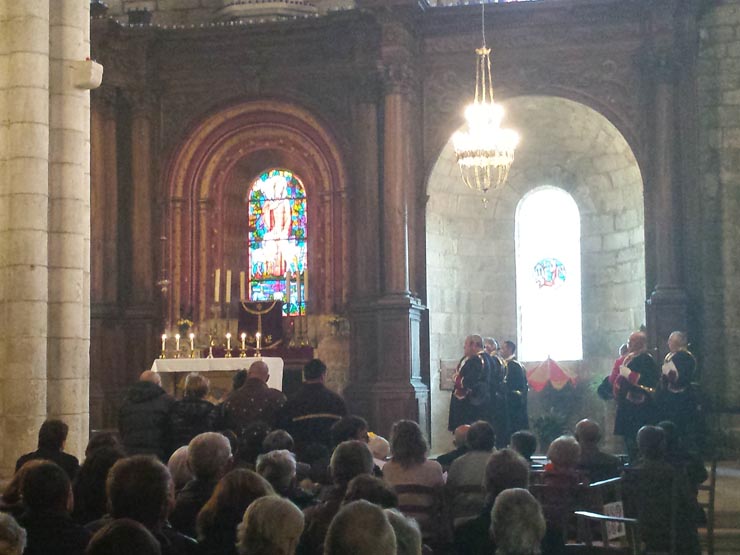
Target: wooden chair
{"points": [[706, 502], [559, 505], [609, 535]]}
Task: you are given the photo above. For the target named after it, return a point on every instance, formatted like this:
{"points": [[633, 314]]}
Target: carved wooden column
{"points": [[385, 383], [667, 306]]}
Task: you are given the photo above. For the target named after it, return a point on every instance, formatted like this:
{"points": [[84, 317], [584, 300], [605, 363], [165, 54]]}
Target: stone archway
{"points": [[568, 145]]}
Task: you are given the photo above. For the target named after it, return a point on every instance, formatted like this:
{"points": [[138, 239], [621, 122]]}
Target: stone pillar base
{"points": [[667, 311]]}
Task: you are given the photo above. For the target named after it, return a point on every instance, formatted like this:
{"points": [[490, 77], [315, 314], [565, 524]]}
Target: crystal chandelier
{"points": [[484, 151]]}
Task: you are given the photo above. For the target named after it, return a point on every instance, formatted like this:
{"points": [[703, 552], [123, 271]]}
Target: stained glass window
{"points": [[548, 276], [277, 239]]}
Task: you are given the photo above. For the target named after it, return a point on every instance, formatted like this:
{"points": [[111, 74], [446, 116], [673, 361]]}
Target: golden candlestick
{"points": [[177, 345], [163, 354], [192, 345], [228, 346], [243, 348]]}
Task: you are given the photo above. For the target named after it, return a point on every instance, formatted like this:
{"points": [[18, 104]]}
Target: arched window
{"points": [[277, 239], [548, 276]]}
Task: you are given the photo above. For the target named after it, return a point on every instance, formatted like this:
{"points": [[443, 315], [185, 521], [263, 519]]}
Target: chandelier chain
{"points": [[483, 21]]}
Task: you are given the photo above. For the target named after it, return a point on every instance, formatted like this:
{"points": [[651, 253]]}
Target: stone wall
{"points": [[566, 145], [713, 259]]}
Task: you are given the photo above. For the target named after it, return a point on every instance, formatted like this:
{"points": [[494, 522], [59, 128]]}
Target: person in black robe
{"points": [[516, 389], [498, 414], [470, 398], [635, 379]]}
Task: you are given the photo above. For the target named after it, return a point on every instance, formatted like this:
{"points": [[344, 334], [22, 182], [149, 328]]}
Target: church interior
{"points": [[128, 211]]}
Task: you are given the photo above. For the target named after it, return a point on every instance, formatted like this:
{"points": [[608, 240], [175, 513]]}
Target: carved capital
{"points": [[400, 77]]}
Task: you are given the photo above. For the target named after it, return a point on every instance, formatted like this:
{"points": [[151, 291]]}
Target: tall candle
{"points": [[192, 338], [227, 295], [258, 335], [217, 286], [177, 341], [287, 289], [228, 341], [164, 341], [244, 341], [299, 295], [305, 283], [242, 287]]}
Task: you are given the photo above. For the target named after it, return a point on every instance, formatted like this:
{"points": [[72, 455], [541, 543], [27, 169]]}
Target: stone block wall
{"points": [[470, 248]]}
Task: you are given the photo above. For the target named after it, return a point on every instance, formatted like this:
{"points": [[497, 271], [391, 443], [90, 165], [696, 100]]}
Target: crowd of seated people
{"points": [[249, 490]]}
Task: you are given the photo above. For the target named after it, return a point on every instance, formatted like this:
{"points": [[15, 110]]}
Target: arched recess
{"points": [[470, 250], [208, 179]]}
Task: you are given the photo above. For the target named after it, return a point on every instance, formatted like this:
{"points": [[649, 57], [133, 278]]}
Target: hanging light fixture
{"points": [[484, 151]]}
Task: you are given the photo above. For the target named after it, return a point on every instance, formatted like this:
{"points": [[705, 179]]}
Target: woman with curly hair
{"points": [[219, 517]]}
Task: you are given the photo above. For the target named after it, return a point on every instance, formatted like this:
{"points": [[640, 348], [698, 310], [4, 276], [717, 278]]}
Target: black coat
{"points": [[53, 533], [188, 418], [143, 420], [67, 462]]}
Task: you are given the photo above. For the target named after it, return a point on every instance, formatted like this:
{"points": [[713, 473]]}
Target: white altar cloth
{"points": [[171, 365]]}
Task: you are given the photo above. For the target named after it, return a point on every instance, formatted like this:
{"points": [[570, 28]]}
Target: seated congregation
{"points": [[260, 474]]}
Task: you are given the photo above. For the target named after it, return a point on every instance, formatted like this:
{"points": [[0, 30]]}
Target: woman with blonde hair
{"points": [[271, 526], [193, 414], [219, 517]]}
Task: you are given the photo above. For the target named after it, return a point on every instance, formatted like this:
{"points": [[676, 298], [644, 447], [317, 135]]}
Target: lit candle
{"points": [[228, 341], [217, 286], [305, 283], [177, 341], [258, 335], [242, 287], [299, 294], [287, 290], [244, 341], [164, 341], [192, 338], [227, 295]]}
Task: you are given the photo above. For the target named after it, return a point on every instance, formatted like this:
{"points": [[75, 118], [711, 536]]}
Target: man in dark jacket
{"points": [[144, 417], [52, 436], [311, 412]]}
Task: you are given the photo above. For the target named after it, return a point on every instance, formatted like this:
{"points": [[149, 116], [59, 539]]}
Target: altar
{"points": [[218, 370]]}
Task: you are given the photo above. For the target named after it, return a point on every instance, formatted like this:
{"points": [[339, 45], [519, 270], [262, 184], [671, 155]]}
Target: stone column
{"points": [[68, 364], [24, 206], [667, 306]]}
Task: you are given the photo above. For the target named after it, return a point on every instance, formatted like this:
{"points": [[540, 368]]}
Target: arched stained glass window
{"points": [[277, 239], [548, 276]]}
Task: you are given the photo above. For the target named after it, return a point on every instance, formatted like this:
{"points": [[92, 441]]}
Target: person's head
{"points": [[508, 349], [233, 494], [239, 379], [179, 469], [90, 482], [490, 345], [314, 371], [349, 428], [259, 370], [209, 456], [517, 523], [123, 537], [46, 487], [524, 442], [637, 342], [623, 349], [678, 341], [651, 442], [350, 459], [408, 534], [670, 433], [151, 376], [371, 489], [360, 528], [196, 386], [460, 436], [481, 436], [271, 525], [140, 488], [564, 453], [505, 469], [278, 468], [102, 439], [276, 440], [52, 435], [379, 447], [12, 494], [408, 445], [12, 536], [588, 432], [473, 345]]}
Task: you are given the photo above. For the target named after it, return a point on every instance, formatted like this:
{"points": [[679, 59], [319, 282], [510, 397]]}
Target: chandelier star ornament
{"points": [[484, 151]]}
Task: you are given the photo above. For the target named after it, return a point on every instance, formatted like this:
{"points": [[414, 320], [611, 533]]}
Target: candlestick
{"points": [[192, 345], [244, 340], [299, 295], [217, 286], [227, 295], [164, 346], [287, 290], [305, 283], [242, 287], [258, 336], [177, 345], [243, 349], [228, 345]]}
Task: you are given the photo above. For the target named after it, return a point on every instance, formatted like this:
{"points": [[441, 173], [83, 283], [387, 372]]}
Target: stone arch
{"points": [[206, 183], [567, 145]]}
